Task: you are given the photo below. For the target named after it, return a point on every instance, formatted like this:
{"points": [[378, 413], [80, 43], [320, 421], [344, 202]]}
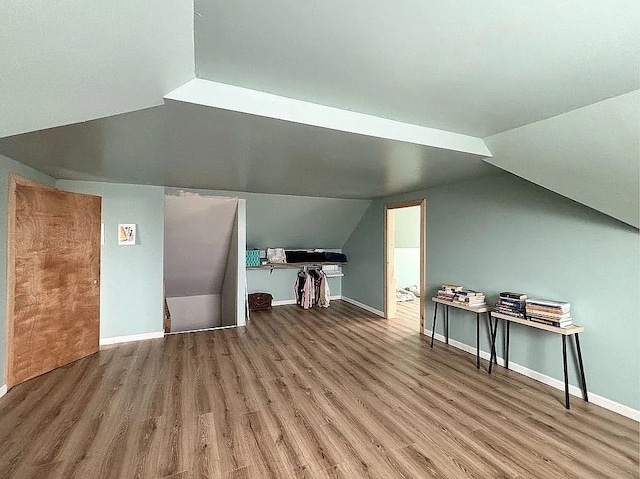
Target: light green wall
{"points": [[504, 233], [407, 268], [280, 283], [148, 49], [407, 251], [131, 276], [408, 227], [294, 221], [589, 155], [8, 166]]}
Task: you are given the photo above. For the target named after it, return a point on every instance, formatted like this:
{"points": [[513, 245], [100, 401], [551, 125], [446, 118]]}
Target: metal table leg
{"points": [[446, 323], [493, 341], [585, 395], [478, 341], [433, 328], [495, 332], [506, 349], [566, 376]]}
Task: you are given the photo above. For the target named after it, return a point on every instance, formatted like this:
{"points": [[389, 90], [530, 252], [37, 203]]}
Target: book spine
{"points": [[543, 303], [546, 310], [548, 322], [512, 303], [509, 312], [516, 296], [555, 316]]}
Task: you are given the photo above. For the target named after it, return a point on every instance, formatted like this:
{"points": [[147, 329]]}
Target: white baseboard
{"points": [[284, 302], [133, 337], [548, 380], [202, 330], [363, 306], [3, 390]]}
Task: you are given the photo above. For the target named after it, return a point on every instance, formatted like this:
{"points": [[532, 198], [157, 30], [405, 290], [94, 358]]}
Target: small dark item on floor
{"points": [[260, 301]]}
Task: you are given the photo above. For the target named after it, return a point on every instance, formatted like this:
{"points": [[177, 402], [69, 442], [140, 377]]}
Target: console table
{"points": [[478, 310], [573, 330]]}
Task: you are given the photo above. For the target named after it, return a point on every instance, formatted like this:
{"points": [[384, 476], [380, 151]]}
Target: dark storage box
{"points": [[260, 301], [304, 257], [295, 256], [335, 257]]}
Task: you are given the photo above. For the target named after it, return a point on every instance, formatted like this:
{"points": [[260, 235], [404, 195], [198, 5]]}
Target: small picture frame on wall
{"points": [[126, 234]]}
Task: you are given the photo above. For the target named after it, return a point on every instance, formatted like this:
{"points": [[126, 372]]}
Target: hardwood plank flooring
{"points": [[324, 393]]}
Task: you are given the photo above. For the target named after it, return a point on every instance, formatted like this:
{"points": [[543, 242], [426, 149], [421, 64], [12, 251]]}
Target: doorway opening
{"points": [[405, 261], [204, 262]]}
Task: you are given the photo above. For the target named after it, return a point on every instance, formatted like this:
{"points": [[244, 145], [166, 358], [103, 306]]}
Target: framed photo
{"points": [[126, 234]]}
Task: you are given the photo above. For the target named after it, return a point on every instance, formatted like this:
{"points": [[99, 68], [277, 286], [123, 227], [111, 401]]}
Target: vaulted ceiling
{"points": [[343, 99]]}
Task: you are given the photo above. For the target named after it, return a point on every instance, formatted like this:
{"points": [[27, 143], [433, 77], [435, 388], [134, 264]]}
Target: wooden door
{"points": [[53, 272]]}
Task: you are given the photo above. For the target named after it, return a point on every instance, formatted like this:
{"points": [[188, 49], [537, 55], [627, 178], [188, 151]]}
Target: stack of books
{"points": [[448, 292], [552, 313], [469, 298], [511, 304]]}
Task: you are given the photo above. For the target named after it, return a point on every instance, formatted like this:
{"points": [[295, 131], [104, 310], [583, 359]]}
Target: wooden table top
{"points": [[569, 330], [485, 308]]}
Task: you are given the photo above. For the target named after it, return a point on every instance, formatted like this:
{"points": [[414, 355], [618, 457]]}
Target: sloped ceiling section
{"points": [[591, 155], [252, 102], [477, 67], [77, 61], [184, 144]]}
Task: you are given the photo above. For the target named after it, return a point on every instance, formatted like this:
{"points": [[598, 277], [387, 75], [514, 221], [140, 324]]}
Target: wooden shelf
{"points": [[294, 265], [569, 330], [485, 308]]}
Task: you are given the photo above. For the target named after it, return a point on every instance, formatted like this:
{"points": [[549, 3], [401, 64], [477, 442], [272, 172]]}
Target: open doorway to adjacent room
{"points": [[405, 262]]}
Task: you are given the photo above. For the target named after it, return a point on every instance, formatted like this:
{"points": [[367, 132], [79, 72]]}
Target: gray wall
{"points": [[190, 313], [8, 166], [505, 233], [131, 299], [197, 235], [230, 284]]}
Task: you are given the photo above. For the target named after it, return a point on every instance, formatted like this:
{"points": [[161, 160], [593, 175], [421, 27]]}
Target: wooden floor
{"points": [[408, 312], [319, 393]]}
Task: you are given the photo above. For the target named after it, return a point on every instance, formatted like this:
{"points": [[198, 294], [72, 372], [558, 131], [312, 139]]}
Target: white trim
{"points": [[203, 329], [130, 338], [363, 306], [548, 380], [243, 100], [284, 302], [3, 390], [615, 407]]}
